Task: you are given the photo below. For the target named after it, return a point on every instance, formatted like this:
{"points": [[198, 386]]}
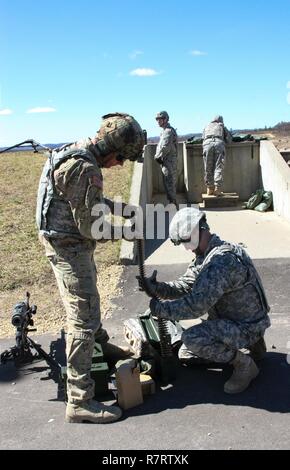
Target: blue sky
{"points": [[63, 64]]}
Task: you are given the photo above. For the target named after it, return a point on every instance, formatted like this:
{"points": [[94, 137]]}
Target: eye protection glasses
{"points": [[179, 242]]}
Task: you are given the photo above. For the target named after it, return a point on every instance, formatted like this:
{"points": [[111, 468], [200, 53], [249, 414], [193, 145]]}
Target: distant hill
{"points": [[282, 129]]}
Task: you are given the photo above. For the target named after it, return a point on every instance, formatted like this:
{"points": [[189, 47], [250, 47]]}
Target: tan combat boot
{"points": [[210, 191], [218, 192], [93, 412], [258, 350], [245, 370]]}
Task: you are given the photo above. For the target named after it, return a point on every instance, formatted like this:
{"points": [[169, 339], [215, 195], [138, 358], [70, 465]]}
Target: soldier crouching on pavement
{"points": [[223, 282], [70, 186]]}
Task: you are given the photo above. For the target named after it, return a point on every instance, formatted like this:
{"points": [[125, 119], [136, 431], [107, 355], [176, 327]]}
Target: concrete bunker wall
{"points": [[242, 172], [276, 178]]}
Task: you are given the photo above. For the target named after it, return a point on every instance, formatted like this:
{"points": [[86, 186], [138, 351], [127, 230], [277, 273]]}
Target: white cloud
{"points": [[5, 112], [135, 54], [197, 53], [41, 110], [144, 72], [288, 85]]}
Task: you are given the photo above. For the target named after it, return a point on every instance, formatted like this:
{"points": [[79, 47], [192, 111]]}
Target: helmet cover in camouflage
{"points": [[121, 133], [184, 226], [162, 115], [218, 118]]}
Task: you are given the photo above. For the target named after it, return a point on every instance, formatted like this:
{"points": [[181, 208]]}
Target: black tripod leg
{"points": [[51, 362]]}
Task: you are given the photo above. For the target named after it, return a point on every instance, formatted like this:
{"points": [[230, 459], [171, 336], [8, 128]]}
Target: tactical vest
{"points": [[253, 277], [50, 205], [214, 130]]}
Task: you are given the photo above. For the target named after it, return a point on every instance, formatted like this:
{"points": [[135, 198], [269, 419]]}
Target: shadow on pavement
{"points": [[12, 372], [194, 385], [157, 239], [199, 385]]}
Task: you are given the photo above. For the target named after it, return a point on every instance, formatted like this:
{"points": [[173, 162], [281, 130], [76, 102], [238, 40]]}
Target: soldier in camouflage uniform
{"points": [[222, 282], [166, 155], [215, 135], [70, 186]]}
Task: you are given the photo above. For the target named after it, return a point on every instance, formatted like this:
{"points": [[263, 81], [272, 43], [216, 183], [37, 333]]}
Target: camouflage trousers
{"points": [[219, 340], [214, 162], [75, 272], [169, 173]]}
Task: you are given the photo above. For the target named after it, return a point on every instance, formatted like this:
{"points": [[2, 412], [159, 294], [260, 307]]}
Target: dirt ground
{"points": [[50, 315], [281, 140]]}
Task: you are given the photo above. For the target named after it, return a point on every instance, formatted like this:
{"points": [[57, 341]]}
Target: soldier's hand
{"points": [[149, 283], [159, 160]]}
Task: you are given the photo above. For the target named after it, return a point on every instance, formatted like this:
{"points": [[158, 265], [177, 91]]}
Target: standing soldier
{"points": [[166, 155], [70, 186], [215, 135]]}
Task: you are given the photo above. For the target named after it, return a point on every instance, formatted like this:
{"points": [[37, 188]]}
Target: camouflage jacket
{"points": [[167, 145], [223, 283], [216, 130], [70, 186]]}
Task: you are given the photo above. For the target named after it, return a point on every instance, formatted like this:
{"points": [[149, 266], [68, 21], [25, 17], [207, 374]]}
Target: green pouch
{"points": [[266, 203], [255, 199]]}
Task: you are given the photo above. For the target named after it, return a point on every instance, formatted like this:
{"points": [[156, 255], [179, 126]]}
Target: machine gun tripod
{"points": [[25, 350]]}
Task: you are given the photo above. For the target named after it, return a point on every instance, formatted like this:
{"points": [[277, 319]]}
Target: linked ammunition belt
{"points": [[164, 335]]}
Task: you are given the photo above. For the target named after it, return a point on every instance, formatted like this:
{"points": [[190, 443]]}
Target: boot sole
{"points": [[80, 420]]}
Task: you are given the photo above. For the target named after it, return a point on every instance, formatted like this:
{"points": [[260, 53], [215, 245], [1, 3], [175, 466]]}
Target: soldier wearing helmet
{"points": [[222, 282], [70, 186], [215, 136], [166, 155]]}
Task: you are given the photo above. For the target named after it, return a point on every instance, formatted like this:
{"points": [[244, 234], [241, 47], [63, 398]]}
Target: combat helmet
{"points": [[185, 225], [120, 132], [162, 115], [218, 118]]}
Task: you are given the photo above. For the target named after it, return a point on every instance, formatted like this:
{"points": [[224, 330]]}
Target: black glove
{"points": [[151, 282]]}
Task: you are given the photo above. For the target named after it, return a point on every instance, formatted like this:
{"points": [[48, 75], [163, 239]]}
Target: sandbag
{"points": [[266, 203], [255, 199]]}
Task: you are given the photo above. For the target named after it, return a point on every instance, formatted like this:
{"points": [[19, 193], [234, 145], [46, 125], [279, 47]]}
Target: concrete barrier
{"points": [[276, 178], [157, 182], [242, 170], [147, 181], [249, 166], [140, 190]]}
